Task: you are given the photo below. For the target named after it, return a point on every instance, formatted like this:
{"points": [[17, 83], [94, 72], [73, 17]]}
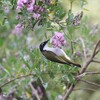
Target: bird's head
{"points": [[43, 44]]}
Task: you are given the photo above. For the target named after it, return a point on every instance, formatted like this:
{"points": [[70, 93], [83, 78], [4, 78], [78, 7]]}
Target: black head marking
{"points": [[42, 45]]}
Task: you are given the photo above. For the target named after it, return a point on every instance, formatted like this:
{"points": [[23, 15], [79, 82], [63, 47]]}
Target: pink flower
{"points": [[18, 29], [33, 2], [78, 53], [18, 17], [39, 90], [19, 4], [24, 1], [30, 8], [41, 9], [35, 7], [36, 15], [58, 40], [28, 3]]}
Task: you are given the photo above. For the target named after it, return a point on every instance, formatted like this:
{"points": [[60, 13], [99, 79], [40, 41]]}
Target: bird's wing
{"points": [[57, 51], [53, 57], [58, 55], [70, 62]]}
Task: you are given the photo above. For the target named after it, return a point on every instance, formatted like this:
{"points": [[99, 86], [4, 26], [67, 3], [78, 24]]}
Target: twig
{"points": [[84, 50], [96, 61], [87, 89], [71, 88], [15, 79], [71, 4], [72, 47], [83, 69], [90, 83], [95, 49], [34, 91], [90, 60], [86, 73]]}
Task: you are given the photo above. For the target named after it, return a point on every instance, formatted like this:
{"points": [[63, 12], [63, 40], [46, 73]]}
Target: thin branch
{"points": [[86, 73], [95, 49], [72, 47], [34, 91], [71, 4], [96, 61], [90, 83], [16, 79], [87, 89], [71, 88], [90, 60], [83, 69], [83, 45]]}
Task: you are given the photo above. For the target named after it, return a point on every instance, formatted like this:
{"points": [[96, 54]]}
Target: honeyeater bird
{"points": [[56, 54]]}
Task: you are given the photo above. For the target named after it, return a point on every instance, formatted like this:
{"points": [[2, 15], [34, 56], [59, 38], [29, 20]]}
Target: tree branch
{"points": [[83, 69], [84, 50], [72, 47], [86, 73], [90, 83], [16, 79], [95, 49], [87, 89], [34, 91], [96, 61]]}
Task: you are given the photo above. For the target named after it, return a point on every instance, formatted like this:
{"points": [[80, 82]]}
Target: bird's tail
{"points": [[78, 65], [69, 61]]}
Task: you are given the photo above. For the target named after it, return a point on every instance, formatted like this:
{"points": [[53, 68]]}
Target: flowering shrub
{"points": [[28, 3], [24, 73], [31, 7], [36, 9]]}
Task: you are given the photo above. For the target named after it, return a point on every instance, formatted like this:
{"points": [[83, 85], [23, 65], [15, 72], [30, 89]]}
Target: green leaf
{"points": [[51, 74], [1, 42], [7, 71], [70, 78]]}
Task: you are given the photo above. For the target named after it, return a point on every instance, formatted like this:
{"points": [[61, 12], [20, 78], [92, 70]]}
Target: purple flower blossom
{"points": [[33, 2], [19, 5], [18, 29], [35, 8], [30, 8], [39, 90], [36, 15], [18, 17], [78, 53], [7, 11], [41, 9], [27, 3], [58, 40]]}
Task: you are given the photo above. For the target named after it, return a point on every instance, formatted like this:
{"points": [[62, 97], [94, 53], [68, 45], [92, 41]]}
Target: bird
{"points": [[56, 54]]}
